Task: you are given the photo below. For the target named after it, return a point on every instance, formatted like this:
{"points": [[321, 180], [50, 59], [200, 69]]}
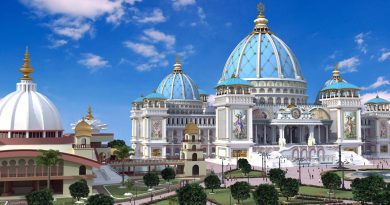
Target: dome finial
{"points": [[336, 73], [89, 114], [177, 66], [261, 21], [26, 69]]}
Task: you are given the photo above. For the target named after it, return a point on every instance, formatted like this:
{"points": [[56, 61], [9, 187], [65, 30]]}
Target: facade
{"points": [[261, 107], [30, 122]]}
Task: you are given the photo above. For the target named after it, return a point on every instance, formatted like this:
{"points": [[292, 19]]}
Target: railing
{"points": [[88, 146], [192, 140], [29, 171]]}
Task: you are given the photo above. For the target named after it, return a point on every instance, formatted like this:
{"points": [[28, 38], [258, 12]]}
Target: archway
{"points": [[195, 170], [82, 170]]}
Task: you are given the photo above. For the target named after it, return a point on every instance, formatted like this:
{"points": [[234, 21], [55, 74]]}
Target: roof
{"points": [[234, 81], [340, 85], [178, 86], [138, 100], [203, 92], [155, 96], [378, 100]]}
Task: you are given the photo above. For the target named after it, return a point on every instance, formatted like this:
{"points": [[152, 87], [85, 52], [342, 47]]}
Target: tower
{"points": [[343, 101], [234, 118], [192, 153]]}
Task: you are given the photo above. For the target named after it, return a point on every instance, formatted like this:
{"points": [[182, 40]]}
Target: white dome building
{"points": [[32, 114]]}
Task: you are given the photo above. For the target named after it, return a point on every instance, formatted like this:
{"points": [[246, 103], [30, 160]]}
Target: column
{"points": [[327, 133], [290, 133], [208, 142], [319, 134], [265, 134], [311, 131], [273, 134], [256, 138]]}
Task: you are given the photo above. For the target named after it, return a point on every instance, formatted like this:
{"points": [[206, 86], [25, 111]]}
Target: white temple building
{"points": [[261, 108]]}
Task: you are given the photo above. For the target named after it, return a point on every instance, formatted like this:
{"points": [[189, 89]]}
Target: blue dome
{"points": [[155, 96], [340, 85], [262, 55], [378, 100], [178, 86], [138, 100], [234, 81]]}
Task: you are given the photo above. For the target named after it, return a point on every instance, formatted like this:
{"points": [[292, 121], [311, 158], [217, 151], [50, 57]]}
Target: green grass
{"points": [[117, 192], [64, 201], [340, 173], [2, 203], [222, 196], [166, 202], [323, 192], [238, 174]]}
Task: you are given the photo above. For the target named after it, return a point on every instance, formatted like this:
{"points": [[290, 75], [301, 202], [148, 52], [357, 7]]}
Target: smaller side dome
{"points": [[83, 129], [234, 81], [139, 100], [337, 82], [378, 100], [155, 95], [191, 128]]}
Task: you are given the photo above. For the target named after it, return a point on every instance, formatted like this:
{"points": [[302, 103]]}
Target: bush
{"points": [[241, 162], [192, 194], [42, 197], [277, 176], [151, 179], [331, 181], [266, 194], [79, 189], [240, 191], [212, 182], [100, 199], [290, 187]]}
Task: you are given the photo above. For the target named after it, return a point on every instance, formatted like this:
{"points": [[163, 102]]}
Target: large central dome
{"points": [[268, 64]]}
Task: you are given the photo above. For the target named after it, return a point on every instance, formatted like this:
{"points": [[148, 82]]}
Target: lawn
{"points": [[117, 192], [167, 202], [64, 201], [340, 173], [238, 174], [318, 191]]}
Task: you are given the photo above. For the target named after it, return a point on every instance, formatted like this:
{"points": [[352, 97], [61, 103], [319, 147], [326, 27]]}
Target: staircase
{"points": [[106, 175]]}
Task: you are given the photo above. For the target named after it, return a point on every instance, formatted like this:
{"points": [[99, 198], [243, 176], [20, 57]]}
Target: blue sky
{"points": [[106, 53]]}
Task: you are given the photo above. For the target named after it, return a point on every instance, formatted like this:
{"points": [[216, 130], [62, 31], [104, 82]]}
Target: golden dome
{"points": [[83, 129], [191, 128]]}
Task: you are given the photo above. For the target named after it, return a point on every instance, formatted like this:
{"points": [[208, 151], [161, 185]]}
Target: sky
{"points": [[106, 53]]}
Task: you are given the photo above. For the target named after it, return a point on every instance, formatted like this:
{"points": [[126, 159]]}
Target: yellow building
{"points": [[191, 152]]}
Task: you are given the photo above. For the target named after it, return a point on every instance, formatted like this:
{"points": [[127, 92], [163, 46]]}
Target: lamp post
{"points": [[342, 174], [223, 180], [299, 166], [340, 156]]}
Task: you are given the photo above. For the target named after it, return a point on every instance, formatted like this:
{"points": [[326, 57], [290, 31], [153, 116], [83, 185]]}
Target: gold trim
{"points": [[26, 69]]}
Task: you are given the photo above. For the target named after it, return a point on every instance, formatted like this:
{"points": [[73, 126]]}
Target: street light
{"points": [[223, 181], [342, 171], [299, 165]]}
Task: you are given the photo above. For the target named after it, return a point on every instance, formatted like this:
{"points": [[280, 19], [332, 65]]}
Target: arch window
{"points": [[82, 170], [285, 101], [278, 101], [270, 101], [194, 157]]}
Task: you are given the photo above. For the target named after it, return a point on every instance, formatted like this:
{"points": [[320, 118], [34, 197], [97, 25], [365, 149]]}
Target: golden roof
{"points": [[83, 129], [177, 67], [89, 114], [26, 69], [191, 128]]}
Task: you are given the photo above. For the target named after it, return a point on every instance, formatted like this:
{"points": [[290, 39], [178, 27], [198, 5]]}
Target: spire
{"points": [[261, 21], [26, 69], [89, 115], [177, 65], [336, 73]]}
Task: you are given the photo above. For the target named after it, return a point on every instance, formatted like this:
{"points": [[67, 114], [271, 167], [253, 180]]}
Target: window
{"points": [[82, 170]]}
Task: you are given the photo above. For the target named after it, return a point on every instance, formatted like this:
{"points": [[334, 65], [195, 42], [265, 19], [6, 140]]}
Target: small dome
{"points": [[83, 129], [155, 95], [26, 109], [178, 85], [138, 100], [234, 81], [336, 82], [378, 100], [191, 128]]}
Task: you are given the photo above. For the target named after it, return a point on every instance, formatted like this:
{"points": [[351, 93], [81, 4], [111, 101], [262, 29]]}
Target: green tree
{"points": [[192, 194], [246, 169], [129, 184], [168, 174], [266, 194], [290, 187], [331, 181], [122, 153], [212, 182], [241, 162], [42, 197], [116, 143], [151, 179], [240, 191], [79, 189], [100, 199], [48, 158], [277, 176], [368, 189]]}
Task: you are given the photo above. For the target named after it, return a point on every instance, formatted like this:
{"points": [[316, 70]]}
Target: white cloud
{"points": [[156, 16], [349, 65], [384, 56], [158, 36], [380, 81], [74, 18], [368, 96], [360, 41], [145, 50], [202, 15], [179, 4], [55, 43], [187, 51], [93, 62]]}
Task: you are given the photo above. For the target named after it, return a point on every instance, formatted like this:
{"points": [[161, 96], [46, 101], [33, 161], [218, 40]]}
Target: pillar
{"points": [[265, 134]]}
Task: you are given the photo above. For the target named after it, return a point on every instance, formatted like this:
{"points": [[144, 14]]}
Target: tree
{"points": [[168, 174], [122, 153], [151, 179], [116, 143], [290, 187], [331, 181], [240, 191], [129, 184], [212, 182], [42, 197], [48, 158], [100, 199], [368, 189], [79, 189], [246, 169], [241, 162], [266, 194], [192, 194], [277, 176]]}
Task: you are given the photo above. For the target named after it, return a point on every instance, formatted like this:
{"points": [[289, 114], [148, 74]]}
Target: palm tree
{"points": [[122, 153], [49, 158]]}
